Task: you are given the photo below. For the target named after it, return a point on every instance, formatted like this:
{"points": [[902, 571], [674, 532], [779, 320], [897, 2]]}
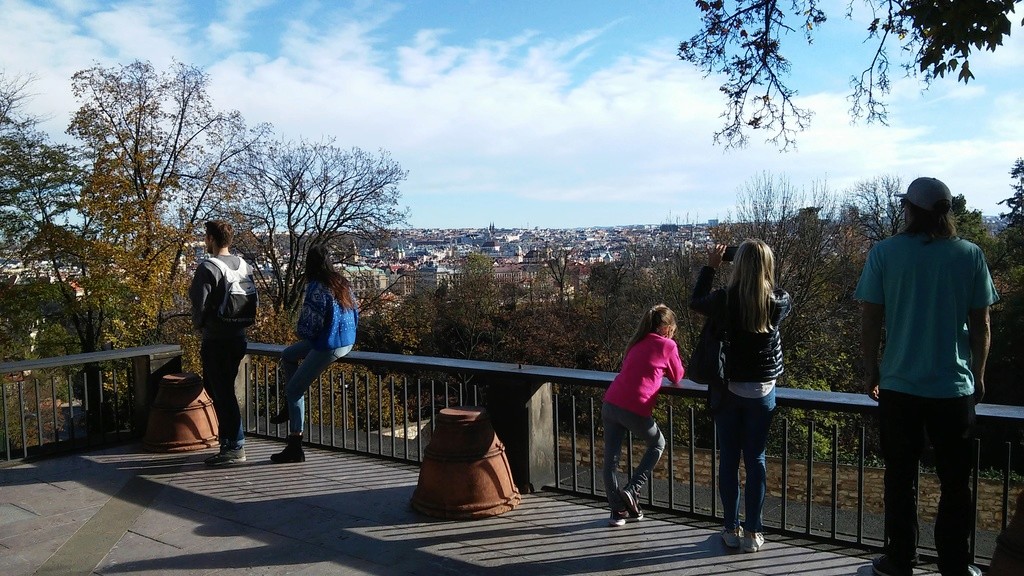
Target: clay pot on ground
{"points": [[181, 417], [465, 473]]}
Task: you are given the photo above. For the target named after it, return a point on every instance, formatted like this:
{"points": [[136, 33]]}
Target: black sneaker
{"points": [[629, 499], [884, 566], [227, 458]]}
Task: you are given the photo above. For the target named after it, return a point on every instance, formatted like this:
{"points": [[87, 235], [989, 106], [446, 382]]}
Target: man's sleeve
{"points": [[869, 287], [984, 290], [198, 293]]}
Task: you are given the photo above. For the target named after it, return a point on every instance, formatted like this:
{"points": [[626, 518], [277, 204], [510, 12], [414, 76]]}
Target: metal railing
{"points": [[65, 403], [822, 481]]}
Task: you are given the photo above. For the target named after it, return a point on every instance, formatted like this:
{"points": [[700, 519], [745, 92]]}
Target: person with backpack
{"points": [[754, 310], [327, 328], [224, 301]]}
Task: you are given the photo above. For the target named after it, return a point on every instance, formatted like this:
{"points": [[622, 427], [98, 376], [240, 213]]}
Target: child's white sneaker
{"points": [[732, 537], [753, 541]]}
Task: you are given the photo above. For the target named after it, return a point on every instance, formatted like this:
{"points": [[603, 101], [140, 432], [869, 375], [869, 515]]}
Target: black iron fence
{"points": [[824, 482], [59, 404]]}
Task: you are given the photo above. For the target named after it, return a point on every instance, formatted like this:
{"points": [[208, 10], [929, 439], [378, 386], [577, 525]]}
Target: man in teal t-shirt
{"points": [[931, 291]]}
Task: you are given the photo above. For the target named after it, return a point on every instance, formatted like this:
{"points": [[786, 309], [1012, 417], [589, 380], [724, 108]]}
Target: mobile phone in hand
{"points": [[730, 253]]}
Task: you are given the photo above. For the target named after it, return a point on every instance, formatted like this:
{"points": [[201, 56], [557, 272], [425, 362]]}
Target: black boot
{"points": [[291, 453], [281, 417]]}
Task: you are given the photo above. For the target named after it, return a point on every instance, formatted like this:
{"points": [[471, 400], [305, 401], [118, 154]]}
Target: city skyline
{"points": [[551, 115]]}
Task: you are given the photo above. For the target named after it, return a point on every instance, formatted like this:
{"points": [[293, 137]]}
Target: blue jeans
{"points": [[617, 421], [298, 376], [220, 358], [906, 426], [742, 425]]}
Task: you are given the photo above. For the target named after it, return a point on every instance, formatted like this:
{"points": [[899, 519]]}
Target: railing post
{"points": [[146, 374], [522, 414]]}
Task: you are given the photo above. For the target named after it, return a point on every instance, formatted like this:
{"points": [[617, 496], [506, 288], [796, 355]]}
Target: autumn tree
{"points": [[157, 148], [42, 225], [743, 41], [292, 195]]}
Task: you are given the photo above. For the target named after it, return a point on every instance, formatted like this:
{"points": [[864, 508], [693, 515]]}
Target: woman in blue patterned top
{"points": [[327, 328]]}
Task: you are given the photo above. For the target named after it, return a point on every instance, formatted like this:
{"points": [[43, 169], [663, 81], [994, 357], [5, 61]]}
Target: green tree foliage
{"points": [[1015, 217], [743, 40], [1006, 362], [41, 225]]}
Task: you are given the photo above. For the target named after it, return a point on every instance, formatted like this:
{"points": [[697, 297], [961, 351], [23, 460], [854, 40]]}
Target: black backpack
{"points": [[240, 298], [708, 362]]}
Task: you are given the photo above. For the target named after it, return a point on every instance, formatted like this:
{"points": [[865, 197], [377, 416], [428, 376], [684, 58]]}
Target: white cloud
{"points": [[533, 118], [229, 28], [141, 31]]}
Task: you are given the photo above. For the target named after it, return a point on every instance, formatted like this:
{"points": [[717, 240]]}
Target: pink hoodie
{"points": [[636, 386]]}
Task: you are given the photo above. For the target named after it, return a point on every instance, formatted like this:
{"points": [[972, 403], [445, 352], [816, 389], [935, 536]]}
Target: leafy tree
{"points": [[1015, 217], [1006, 361], [292, 195], [970, 225], [158, 149], [403, 328], [743, 40], [41, 225]]}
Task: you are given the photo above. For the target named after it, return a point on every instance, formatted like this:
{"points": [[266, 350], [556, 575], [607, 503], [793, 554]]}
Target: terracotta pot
{"points": [[1008, 559], [464, 473], [182, 416]]}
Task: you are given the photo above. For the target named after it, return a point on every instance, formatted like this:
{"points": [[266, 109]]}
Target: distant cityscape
{"points": [[423, 259]]}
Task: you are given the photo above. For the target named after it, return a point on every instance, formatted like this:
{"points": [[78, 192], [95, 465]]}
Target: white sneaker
{"points": [[732, 537], [618, 518], [752, 542]]}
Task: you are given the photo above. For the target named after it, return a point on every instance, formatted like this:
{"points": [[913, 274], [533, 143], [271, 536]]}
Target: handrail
{"points": [[153, 351], [526, 373]]}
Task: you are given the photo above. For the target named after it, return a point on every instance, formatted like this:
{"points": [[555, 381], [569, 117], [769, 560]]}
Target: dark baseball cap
{"points": [[926, 192]]}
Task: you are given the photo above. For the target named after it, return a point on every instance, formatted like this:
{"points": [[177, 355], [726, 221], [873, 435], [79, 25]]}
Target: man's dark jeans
{"points": [[220, 358], [907, 424]]}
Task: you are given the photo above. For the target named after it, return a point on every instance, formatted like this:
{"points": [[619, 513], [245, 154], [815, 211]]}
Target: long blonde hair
{"points": [[752, 281], [659, 319]]}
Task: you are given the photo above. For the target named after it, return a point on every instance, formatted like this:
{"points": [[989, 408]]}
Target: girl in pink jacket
{"points": [[650, 356]]}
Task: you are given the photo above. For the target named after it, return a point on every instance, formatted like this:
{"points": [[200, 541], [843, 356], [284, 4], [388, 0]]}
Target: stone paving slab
{"points": [[337, 513]]}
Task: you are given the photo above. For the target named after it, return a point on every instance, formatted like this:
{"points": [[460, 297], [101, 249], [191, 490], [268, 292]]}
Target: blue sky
{"points": [[532, 113]]}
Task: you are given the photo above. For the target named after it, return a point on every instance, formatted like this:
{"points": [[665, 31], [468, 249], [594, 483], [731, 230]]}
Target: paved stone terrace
{"points": [[125, 511]]}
